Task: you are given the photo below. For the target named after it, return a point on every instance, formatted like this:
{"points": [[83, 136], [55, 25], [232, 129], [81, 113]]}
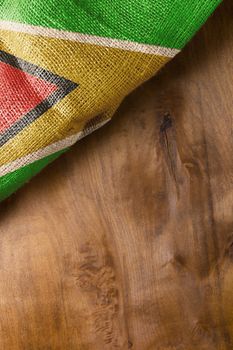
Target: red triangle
{"points": [[20, 92]]}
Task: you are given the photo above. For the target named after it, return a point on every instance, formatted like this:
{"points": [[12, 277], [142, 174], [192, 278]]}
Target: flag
{"points": [[65, 66]]}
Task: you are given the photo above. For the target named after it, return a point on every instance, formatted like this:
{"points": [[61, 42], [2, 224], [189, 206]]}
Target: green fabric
{"points": [[13, 181], [169, 23]]}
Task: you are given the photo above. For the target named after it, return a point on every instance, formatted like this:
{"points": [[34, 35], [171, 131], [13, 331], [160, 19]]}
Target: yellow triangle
{"points": [[104, 75]]}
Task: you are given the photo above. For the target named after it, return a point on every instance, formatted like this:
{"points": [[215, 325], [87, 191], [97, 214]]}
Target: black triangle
{"points": [[65, 86]]}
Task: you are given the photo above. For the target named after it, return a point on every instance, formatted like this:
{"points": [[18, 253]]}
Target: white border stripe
{"points": [[44, 152], [88, 39]]}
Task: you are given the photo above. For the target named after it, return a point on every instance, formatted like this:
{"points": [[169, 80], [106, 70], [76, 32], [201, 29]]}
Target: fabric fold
{"points": [[66, 66]]}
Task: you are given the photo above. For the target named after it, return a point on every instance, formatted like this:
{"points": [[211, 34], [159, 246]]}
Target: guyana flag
{"points": [[66, 65]]}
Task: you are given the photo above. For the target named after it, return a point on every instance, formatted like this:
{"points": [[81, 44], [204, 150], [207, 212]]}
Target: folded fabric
{"points": [[66, 65]]}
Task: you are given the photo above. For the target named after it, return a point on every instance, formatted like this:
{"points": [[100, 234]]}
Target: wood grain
{"points": [[126, 242]]}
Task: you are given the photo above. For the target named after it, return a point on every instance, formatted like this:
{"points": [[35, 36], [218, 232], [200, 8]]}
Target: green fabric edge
{"points": [[169, 23], [11, 182]]}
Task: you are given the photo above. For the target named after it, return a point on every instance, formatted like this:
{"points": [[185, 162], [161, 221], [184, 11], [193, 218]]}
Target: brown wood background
{"points": [[126, 242]]}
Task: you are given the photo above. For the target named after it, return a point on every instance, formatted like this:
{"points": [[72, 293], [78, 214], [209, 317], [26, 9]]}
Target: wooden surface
{"points": [[126, 242]]}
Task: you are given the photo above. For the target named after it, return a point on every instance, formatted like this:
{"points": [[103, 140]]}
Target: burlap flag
{"points": [[66, 65]]}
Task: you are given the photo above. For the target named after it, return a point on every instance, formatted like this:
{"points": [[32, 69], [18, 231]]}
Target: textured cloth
{"points": [[66, 65]]}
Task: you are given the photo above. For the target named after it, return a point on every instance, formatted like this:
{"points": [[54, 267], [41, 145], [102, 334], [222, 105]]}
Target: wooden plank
{"points": [[126, 242]]}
